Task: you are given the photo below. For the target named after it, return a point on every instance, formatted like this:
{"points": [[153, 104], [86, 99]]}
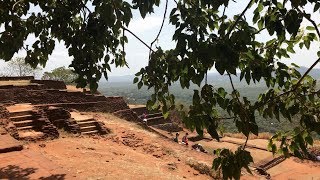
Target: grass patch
{"points": [[263, 135], [203, 168]]}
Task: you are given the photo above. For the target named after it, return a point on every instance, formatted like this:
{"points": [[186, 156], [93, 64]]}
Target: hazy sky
{"points": [[147, 29]]}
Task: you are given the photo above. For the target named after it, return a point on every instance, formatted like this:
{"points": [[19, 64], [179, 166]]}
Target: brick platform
{"points": [[27, 164], [8, 144]]}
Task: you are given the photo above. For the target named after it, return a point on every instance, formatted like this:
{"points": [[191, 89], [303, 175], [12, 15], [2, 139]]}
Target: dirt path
{"points": [[294, 168], [30, 164], [128, 153]]}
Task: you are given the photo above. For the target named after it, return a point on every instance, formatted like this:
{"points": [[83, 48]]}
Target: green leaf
{"points": [[140, 85], [135, 80], [310, 28], [316, 7]]}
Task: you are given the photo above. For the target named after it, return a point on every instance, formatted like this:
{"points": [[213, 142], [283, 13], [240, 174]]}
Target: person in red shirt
{"points": [[185, 139]]}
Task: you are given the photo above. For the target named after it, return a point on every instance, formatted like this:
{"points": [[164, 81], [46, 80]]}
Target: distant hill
{"points": [[213, 77], [123, 86]]}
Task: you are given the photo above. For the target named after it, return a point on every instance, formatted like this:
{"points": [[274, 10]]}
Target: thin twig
{"points": [[241, 107], [310, 20], [238, 19], [295, 87], [16, 4], [139, 39], [305, 74], [161, 27], [245, 143]]}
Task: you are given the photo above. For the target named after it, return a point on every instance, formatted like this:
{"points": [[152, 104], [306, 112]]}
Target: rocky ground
{"points": [[130, 152]]}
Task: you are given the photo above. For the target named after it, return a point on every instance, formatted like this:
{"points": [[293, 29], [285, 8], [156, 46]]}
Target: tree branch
{"points": [[310, 20], [242, 108], [163, 19], [238, 19], [295, 87], [138, 39], [16, 4], [305, 74]]}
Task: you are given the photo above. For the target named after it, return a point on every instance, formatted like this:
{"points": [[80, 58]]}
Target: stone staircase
{"points": [[156, 120], [87, 124], [23, 120], [25, 124]]}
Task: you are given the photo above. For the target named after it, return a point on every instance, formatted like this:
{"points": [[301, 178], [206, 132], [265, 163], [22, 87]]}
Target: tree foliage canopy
{"points": [[206, 38], [61, 74]]}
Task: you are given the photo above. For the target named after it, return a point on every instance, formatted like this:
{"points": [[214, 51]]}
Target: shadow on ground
{"points": [[16, 172]]}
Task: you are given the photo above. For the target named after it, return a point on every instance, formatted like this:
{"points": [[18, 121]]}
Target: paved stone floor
{"points": [[19, 163], [8, 143]]}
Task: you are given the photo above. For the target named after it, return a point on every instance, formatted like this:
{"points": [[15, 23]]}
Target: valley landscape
{"points": [[74, 138]]}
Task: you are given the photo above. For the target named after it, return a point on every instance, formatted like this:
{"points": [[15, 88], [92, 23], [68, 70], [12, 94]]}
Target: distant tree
{"points": [[18, 67], [61, 74]]}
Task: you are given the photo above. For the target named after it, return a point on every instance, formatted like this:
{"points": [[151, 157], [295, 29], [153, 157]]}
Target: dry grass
{"points": [[203, 168], [75, 89], [264, 135], [15, 83], [136, 105], [316, 143]]}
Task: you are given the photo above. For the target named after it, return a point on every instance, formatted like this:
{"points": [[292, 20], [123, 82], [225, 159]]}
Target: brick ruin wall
{"points": [[4, 114], [69, 100], [22, 95], [29, 87], [128, 115], [50, 84], [16, 78], [140, 110], [57, 116], [109, 106], [43, 124]]}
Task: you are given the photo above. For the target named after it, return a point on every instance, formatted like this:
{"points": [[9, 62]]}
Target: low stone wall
{"points": [[16, 78], [22, 95], [170, 127], [43, 124], [140, 110], [28, 87], [110, 106], [57, 116], [50, 84], [4, 114], [128, 115]]}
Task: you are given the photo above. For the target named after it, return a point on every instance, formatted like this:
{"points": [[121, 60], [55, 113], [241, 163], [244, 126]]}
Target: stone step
{"points": [[157, 120], [21, 118], [154, 115], [31, 135], [23, 123], [90, 132], [87, 123], [25, 128], [20, 113], [88, 128], [85, 120]]}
